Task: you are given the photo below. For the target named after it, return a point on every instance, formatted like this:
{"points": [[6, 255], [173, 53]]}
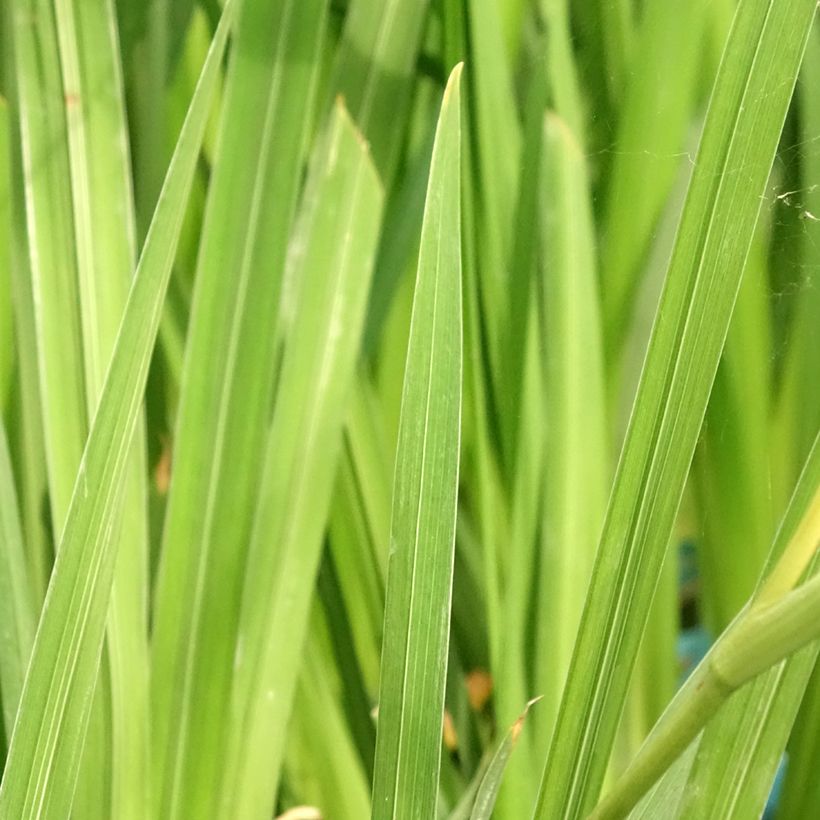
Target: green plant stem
{"points": [[762, 635]]}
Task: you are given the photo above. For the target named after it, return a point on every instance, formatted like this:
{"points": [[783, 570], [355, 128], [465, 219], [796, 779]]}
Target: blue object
{"points": [[693, 644]]}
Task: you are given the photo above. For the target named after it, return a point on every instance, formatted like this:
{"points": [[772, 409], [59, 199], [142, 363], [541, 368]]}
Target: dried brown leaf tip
{"points": [[449, 734], [479, 688], [515, 731], [162, 472]]}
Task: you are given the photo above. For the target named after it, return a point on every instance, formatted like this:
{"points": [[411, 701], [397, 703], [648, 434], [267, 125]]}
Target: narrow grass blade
{"points": [[563, 73], [511, 681], [649, 147], [801, 789], [481, 487], [226, 394], [321, 762], [496, 158], [374, 72], [745, 117], [104, 238], [734, 482], [18, 617], [419, 585], [761, 636], [43, 759], [25, 428], [7, 344], [491, 782], [359, 525], [334, 247], [576, 464], [664, 798], [798, 410], [740, 750], [40, 110], [617, 25]]}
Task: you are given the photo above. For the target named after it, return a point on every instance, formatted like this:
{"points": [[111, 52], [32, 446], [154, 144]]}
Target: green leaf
{"points": [[52, 257], [649, 148], [104, 240], [359, 525], [226, 394], [17, 612], [576, 461], [7, 334], [745, 117], [320, 760], [422, 533], [374, 72], [798, 410], [334, 245], [491, 781], [663, 799], [25, 427], [740, 750], [801, 789], [43, 759], [725, 779], [496, 156], [511, 682], [734, 485]]}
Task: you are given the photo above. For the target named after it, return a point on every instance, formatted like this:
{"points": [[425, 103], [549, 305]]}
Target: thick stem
{"points": [[697, 701], [761, 636]]}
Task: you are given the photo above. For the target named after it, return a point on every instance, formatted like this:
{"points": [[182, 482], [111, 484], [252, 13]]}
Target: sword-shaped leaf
{"points": [[745, 117], [43, 759], [334, 245], [422, 533]]}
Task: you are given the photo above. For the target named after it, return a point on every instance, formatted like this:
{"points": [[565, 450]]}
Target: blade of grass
{"points": [[732, 463], [655, 675], [563, 76], [496, 154], [745, 117], [482, 487], [41, 769], [618, 30], [798, 412], [7, 335], [104, 236], [801, 789], [53, 263], [226, 394], [649, 147], [749, 735], [511, 682], [321, 762], [763, 634], [374, 72], [575, 447], [146, 63], [333, 249], [524, 260], [798, 408], [400, 236], [359, 525], [17, 612], [663, 799], [25, 430], [355, 694], [422, 534], [56, 95], [491, 781]]}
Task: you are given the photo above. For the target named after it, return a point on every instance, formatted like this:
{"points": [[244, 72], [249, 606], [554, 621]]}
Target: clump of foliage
{"points": [[391, 390]]}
